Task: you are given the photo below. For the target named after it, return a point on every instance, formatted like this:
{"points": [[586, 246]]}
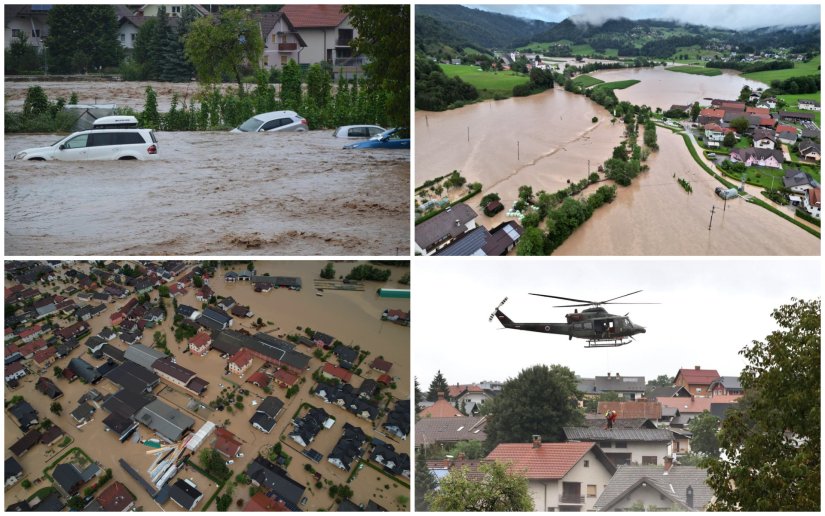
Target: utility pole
{"points": [[712, 211]]}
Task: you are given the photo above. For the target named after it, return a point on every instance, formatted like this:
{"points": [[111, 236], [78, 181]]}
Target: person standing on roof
{"points": [[611, 416]]}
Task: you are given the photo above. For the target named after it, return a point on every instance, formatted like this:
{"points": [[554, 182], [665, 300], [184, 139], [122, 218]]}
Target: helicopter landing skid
{"points": [[607, 343]]}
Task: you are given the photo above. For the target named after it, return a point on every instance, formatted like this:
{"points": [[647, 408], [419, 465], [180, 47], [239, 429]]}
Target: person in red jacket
{"points": [[611, 416]]}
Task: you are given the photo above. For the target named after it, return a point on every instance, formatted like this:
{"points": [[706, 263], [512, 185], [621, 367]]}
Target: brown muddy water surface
{"points": [[654, 216], [662, 88], [543, 141], [211, 193]]}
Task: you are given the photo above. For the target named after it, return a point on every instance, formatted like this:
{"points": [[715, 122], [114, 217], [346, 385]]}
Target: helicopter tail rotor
{"points": [[492, 315]]}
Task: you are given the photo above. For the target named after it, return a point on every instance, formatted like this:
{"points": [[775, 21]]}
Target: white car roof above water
{"points": [[272, 115]]}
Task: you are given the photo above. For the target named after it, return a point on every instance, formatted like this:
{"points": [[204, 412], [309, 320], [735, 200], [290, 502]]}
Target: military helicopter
{"points": [[599, 328]]}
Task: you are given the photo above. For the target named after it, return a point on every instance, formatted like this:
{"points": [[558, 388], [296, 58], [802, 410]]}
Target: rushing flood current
{"points": [[211, 193]]}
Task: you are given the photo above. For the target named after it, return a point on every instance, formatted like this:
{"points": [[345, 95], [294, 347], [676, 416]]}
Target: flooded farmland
{"points": [[543, 140], [655, 216], [211, 193], [662, 88]]}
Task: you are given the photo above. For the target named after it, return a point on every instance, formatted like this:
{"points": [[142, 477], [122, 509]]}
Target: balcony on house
{"points": [[571, 494], [287, 47], [344, 37]]}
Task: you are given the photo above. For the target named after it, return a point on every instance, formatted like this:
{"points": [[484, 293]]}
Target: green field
{"points": [[792, 100], [585, 81], [799, 69], [695, 70], [581, 50], [490, 82], [694, 52], [618, 85]]}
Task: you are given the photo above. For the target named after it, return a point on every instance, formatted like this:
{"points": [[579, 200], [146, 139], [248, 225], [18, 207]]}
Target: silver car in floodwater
{"points": [[358, 131], [273, 121], [98, 144]]}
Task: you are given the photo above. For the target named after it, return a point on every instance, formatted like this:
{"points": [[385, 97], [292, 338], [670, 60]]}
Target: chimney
{"points": [[608, 375], [617, 375], [696, 367], [689, 497], [668, 463], [536, 441], [440, 395]]}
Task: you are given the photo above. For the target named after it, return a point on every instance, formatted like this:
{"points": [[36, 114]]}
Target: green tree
{"points": [[662, 380], [328, 272], [470, 449], [498, 490], [36, 102], [383, 36], [729, 140], [21, 56], [419, 396], [439, 384], [531, 242], [150, 117], [694, 111], [83, 37], [540, 400], [223, 502], [425, 483], [739, 124], [525, 192], [222, 48], [291, 85], [771, 444], [56, 408], [704, 428]]}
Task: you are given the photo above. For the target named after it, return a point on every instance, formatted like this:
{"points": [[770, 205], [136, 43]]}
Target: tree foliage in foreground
{"points": [[498, 490], [540, 400], [772, 444], [439, 384]]}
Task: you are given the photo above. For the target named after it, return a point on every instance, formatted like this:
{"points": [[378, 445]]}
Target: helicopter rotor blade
{"points": [[619, 297], [567, 299], [570, 306]]}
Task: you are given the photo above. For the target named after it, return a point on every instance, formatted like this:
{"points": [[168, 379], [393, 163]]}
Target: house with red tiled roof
{"points": [[201, 343], [697, 380], [560, 476], [226, 443], [45, 357], [259, 379], [441, 408], [379, 364], [632, 409], [813, 202], [331, 371], [116, 498], [762, 111], [29, 334], [262, 503], [327, 31], [285, 378], [240, 362], [470, 395]]}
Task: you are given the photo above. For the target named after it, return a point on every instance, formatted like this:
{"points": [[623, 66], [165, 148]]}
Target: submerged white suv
{"points": [[98, 144]]}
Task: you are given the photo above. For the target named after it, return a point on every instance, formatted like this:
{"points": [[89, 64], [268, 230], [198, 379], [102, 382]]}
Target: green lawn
{"points": [[618, 85], [791, 101], [490, 82], [799, 69], [695, 70], [585, 81]]}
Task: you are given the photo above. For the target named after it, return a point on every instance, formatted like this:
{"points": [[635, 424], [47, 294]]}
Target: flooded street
{"points": [[130, 94], [662, 88], [543, 140], [351, 316], [656, 217], [211, 193]]}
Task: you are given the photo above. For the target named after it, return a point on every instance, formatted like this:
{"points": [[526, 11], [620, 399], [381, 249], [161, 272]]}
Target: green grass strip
{"points": [[695, 70]]}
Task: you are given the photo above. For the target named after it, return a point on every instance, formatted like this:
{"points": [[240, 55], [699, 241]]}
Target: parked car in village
{"points": [[398, 138], [98, 144], [273, 121], [357, 131]]}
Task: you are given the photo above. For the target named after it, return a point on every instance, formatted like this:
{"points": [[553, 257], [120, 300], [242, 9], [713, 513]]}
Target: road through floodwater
{"points": [[211, 193]]}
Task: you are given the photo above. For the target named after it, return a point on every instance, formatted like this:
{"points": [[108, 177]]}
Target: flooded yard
{"points": [[211, 193], [654, 216]]}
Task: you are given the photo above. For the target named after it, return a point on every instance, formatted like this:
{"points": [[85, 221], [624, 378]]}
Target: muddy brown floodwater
{"points": [[655, 216], [211, 193], [662, 88], [543, 140]]}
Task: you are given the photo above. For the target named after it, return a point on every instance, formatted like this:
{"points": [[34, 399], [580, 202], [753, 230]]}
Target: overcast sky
{"points": [[710, 309], [743, 16]]}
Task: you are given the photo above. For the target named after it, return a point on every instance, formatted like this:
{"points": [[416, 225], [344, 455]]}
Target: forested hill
{"points": [[473, 27]]}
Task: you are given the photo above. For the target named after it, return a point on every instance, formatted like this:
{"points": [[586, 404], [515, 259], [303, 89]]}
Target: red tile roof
{"points": [[337, 372], [785, 129], [715, 113], [200, 339], [713, 127], [44, 354], [632, 409], [226, 442], [242, 358], [314, 16], [548, 461], [385, 379], [758, 110], [381, 365], [687, 405], [441, 408], [115, 498], [262, 503], [767, 122], [258, 378], [697, 376], [814, 196], [285, 377]]}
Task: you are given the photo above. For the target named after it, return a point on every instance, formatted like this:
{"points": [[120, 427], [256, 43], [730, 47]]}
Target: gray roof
{"points": [[273, 478], [597, 421], [617, 434], [795, 177], [133, 377], [165, 420], [184, 494], [180, 373], [126, 403], [430, 430], [271, 406], [443, 226], [668, 392], [728, 382], [142, 355], [620, 384], [468, 244], [281, 281], [84, 370], [229, 341], [673, 485]]}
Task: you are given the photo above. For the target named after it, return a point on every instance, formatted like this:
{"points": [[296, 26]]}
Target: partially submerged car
{"points": [[98, 144], [358, 131], [273, 121], [398, 138]]}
